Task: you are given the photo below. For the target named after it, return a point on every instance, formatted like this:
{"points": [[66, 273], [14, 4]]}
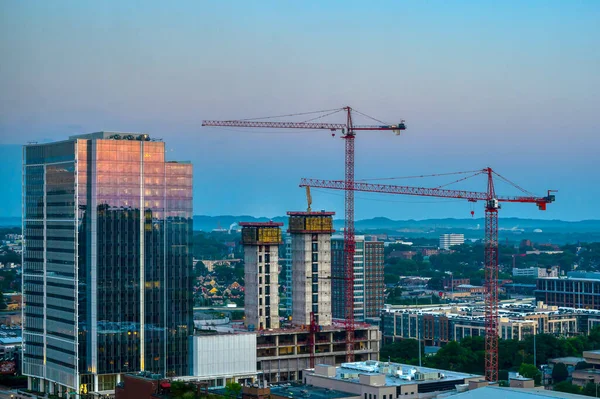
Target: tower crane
{"points": [[492, 205], [348, 130]]}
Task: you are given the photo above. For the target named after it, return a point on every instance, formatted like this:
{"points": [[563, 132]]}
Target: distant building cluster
{"points": [[536, 272], [449, 240], [437, 325]]}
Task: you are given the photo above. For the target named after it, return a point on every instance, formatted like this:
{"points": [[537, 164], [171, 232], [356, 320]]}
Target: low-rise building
{"points": [[577, 290], [590, 374], [218, 358], [450, 282], [386, 380], [289, 391], [439, 324], [280, 354], [537, 272], [449, 240]]}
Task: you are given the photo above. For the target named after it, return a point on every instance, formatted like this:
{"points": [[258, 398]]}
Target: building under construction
{"points": [[261, 274], [283, 351], [311, 266], [283, 354]]}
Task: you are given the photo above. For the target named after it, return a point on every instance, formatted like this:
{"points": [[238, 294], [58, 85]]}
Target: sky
{"points": [[512, 85]]}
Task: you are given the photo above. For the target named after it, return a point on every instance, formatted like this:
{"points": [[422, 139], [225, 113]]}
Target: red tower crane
{"points": [[348, 130], [492, 205]]}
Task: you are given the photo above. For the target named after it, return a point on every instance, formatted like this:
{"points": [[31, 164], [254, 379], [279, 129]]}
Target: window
{"points": [[267, 258], [315, 257], [260, 258], [260, 301], [267, 290], [315, 267], [315, 288], [259, 279], [260, 290], [315, 298], [267, 279], [267, 268], [315, 308], [315, 246], [315, 278], [260, 269]]}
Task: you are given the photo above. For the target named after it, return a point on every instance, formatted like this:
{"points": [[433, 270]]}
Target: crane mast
{"points": [[492, 205], [349, 133], [349, 242]]}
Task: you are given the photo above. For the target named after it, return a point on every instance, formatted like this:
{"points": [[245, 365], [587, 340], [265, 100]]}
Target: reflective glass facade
{"points": [[108, 226]]}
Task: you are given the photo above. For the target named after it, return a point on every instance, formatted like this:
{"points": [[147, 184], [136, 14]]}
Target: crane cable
{"points": [[296, 114], [513, 184], [419, 176]]}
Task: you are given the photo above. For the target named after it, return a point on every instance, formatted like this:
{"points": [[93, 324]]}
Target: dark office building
{"points": [[107, 263], [578, 290], [374, 285], [338, 274]]}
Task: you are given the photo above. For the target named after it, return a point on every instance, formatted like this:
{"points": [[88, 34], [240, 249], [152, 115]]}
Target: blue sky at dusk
{"points": [[511, 85]]}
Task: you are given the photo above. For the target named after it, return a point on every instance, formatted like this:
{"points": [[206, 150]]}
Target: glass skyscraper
{"points": [[107, 263]]}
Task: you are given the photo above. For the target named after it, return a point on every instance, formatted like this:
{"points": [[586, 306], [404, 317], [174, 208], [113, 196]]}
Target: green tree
{"points": [[567, 387], [200, 269], [590, 389], [404, 351], [503, 375], [582, 366], [233, 389], [559, 372], [436, 283], [456, 358], [530, 371], [225, 274]]}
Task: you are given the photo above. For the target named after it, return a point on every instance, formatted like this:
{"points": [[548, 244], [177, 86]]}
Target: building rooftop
{"points": [[11, 340], [312, 213], [260, 224], [568, 359], [305, 391], [493, 392], [396, 374], [112, 135], [476, 310]]}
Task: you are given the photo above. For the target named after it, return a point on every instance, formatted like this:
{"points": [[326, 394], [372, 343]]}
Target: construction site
{"points": [[328, 340]]}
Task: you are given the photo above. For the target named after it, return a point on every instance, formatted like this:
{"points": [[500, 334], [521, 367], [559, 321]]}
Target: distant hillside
{"points": [[512, 229], [10, 222], [208, 223]]}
